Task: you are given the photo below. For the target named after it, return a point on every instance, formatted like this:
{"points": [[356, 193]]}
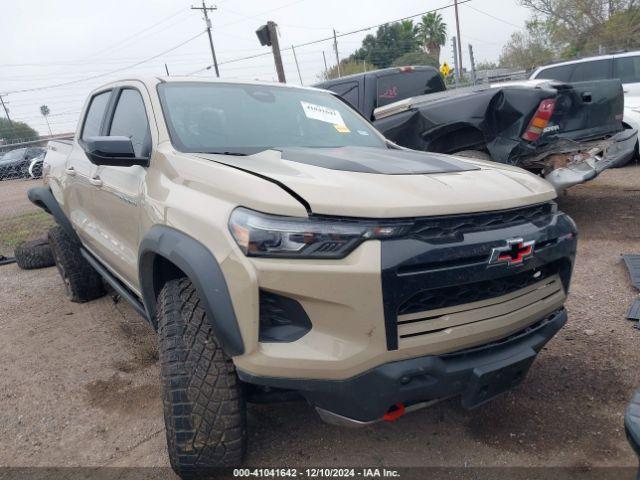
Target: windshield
{"points": [[13, 155], [245, 119]]}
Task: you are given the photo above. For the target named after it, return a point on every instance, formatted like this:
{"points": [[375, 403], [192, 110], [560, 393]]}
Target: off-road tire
{"points": [[477, 154], [34, 254], [204, 403], [82, 283]]}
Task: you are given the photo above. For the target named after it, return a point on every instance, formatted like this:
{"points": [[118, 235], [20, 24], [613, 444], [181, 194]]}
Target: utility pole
{"points": [[297, 66], [473, 64], [166, 69], [455, 60], [326, 70], [268, 35], [6, 112], [459, 38], [335, 47], [275, 46], [206, 10]]}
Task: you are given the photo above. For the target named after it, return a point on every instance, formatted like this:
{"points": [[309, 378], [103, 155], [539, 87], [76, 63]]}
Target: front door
{"points": [[118, 190]]}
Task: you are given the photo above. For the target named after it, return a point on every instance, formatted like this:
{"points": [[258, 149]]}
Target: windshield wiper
{"points": [[236, 154]]}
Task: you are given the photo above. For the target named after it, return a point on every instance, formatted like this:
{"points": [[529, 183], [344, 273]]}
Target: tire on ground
{"points": [[477, 154], [204, 404], [82, 282], [34, 254]]}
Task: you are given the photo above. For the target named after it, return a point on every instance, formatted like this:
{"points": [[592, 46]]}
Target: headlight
{"points": [[263, 235]]}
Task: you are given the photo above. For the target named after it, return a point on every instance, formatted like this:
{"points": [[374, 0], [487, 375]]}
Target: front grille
{"points": [[474, 292], [452, 228]]}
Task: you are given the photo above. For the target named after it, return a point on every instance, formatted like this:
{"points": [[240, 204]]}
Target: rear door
{"points": [[77, 187]]}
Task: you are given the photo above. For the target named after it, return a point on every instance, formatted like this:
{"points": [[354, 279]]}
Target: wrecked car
{"points": [[567, 133]]}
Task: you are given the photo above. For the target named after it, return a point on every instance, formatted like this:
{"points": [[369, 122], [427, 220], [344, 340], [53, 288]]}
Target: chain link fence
{"points": [[20, 220]]}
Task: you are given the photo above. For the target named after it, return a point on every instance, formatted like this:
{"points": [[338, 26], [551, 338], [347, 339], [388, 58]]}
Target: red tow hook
{"points": [[394, 413]]}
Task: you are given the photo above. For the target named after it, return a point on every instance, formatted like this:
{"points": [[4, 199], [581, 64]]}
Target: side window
{"points": [[348, 91], [627, 69], [93, 119], [596, 70], [561, 73], [398, 86], [130, 120]]}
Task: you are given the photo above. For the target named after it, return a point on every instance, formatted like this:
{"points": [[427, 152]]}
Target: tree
{"points": [[415, 58], [432, 32], [582, 27], [527, 50], [44, 110], [487, 65], [347, 67], [390, 42], [12, 132]]}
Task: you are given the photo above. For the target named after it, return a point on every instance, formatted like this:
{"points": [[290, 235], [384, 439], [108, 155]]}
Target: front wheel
{"points": [[204, 405]]}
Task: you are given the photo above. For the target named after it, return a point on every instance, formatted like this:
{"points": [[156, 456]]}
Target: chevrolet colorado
{"points": [[566, 132], [282, 247]]}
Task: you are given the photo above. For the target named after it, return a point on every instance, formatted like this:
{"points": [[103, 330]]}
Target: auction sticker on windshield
{"points": [[324, 114]]}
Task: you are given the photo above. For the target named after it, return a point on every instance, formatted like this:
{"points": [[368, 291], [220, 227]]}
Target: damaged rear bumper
{"points": [[582, 167]]}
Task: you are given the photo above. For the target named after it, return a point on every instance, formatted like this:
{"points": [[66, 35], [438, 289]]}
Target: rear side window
{"points": [[401, 85], [349, 91], [93, 119], [130, 120], [561, 73], [627, 69], [587, 71]]}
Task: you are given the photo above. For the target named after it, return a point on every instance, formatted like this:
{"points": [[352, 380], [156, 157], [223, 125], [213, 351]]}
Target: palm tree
{"points": [[44, 110], [433, 34]]}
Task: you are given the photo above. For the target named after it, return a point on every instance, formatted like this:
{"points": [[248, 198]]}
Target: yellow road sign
{"points": [[445, 69]]}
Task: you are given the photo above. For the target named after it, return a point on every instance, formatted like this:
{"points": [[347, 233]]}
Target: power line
{"points": [[140, 32], [79, 80], [339, 35], [494, 17]]}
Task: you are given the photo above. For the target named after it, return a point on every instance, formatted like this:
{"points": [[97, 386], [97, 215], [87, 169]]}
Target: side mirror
{"points": [[115, 151]]}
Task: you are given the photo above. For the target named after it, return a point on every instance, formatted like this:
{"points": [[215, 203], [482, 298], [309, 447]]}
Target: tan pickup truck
{"points": [[281, 247]]}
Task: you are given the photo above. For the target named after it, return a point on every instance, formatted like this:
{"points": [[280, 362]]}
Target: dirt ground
{"points": [[79, 383]]}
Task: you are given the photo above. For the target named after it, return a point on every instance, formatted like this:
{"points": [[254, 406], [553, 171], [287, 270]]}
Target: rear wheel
{"points": [[82, 283], [34, 254], [204, 404]]}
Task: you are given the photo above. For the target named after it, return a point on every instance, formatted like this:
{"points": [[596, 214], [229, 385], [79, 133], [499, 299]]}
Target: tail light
{"points": [[540, 120]]}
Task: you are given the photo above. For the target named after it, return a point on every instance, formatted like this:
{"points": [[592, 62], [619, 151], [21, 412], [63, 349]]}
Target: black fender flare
{"points": [[43, 197], [198, 263]]}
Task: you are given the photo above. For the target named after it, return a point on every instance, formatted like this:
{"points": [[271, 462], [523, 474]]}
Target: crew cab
{"points": [[283, 248], [566, 132]]}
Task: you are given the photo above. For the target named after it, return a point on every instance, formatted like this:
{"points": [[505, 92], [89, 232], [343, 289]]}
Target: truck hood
{"points": [[381, 183]]}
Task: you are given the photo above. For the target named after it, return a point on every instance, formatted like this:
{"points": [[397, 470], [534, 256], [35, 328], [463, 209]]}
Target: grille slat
{"points": [[452, 228], [473, 292]]}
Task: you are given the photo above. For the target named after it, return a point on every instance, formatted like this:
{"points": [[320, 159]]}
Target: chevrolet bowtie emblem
{"points": [[513, 253]]}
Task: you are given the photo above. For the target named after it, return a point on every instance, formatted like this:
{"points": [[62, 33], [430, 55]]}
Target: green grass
{"points": [[20, 228]]}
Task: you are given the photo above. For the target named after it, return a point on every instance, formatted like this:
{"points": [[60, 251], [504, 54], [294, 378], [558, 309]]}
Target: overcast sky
{"points": [[50, 42]]}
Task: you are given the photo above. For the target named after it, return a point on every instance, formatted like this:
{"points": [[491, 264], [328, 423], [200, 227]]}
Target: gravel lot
{"points": [[79, 383]]}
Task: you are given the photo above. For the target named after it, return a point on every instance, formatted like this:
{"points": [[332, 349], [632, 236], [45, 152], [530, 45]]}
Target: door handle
{"points": [[70, 171], [95, 181], [586, 97]]}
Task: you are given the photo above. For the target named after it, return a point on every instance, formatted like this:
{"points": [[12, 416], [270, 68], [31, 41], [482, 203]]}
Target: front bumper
{"points": [[477, 374], [618, 150]]}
